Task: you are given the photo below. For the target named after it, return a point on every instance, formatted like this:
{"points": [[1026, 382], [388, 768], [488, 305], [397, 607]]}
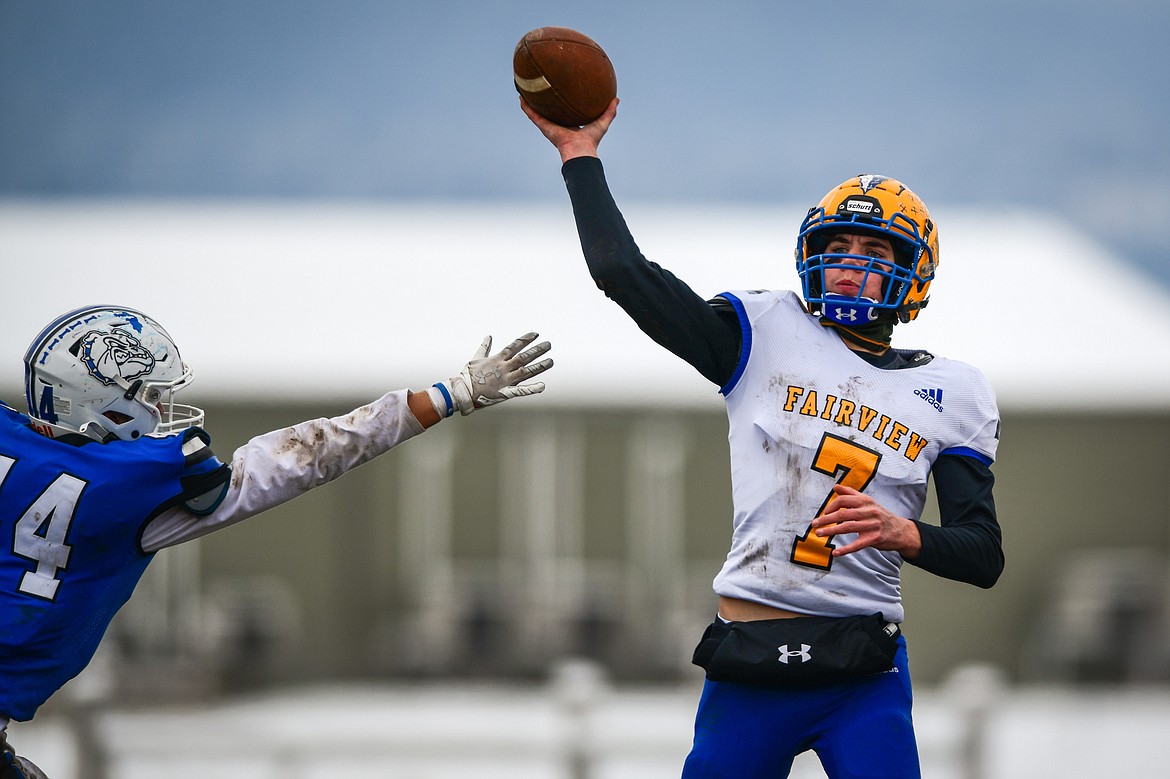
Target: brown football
{"points": [[564, 75]]}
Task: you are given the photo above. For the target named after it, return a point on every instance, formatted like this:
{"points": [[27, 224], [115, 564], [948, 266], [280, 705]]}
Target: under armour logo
{"points": [[480, 376], [847, 313], [802, 653]]}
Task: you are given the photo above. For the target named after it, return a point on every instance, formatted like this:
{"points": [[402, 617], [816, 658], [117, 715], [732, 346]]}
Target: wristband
{"points": [[446, 398]]}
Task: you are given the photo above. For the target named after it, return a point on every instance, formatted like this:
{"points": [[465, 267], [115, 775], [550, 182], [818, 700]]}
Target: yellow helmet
{"points": [[872, 204]]}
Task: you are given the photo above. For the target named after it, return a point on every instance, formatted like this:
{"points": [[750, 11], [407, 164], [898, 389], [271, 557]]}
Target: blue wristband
{"points": [[446, 397]]}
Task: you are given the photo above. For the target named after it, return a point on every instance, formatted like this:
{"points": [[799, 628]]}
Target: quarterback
{"points": [[105, 469], [833, 437]]}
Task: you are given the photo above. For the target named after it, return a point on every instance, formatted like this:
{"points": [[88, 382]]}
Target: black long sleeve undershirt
{"points": [[967, 545], [661, 304]]}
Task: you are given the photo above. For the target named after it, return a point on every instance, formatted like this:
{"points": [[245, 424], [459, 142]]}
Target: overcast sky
{"points": [[1060, 105]]}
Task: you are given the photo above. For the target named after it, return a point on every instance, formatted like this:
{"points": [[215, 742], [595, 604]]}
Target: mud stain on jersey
{"points": [[852, 387], [755, 559], [323, 449], [302, 448]]}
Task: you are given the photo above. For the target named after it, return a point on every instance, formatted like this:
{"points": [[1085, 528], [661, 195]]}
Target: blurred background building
{"points": [[323, 202], [585, 525]]}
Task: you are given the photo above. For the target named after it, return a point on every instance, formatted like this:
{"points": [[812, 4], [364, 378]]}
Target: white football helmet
{"points": [[106, 372]]}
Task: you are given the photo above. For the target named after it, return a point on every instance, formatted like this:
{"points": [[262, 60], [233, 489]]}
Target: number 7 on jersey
{"points": [[850, 464]]}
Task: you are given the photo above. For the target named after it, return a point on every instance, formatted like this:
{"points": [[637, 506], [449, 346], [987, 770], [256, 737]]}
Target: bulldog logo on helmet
{"points": [[116, 354]]}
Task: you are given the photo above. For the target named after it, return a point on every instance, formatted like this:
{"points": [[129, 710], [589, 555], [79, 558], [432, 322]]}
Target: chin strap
{"points": [[95, 431], [854, 312], [857, 320]]}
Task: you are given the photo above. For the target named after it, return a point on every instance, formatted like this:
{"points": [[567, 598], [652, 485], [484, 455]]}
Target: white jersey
{"points": [[806, 412], [276, 467]]}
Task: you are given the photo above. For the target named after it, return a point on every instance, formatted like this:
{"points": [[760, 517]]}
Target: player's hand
{"points": [[574, 141], [851, 511], [486, 381]]}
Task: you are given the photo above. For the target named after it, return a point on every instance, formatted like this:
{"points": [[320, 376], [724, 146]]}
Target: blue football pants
{"points": [[858, 729]]}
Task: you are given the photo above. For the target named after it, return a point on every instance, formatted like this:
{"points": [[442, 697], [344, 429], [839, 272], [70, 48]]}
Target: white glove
{"points": [[486, 381]]}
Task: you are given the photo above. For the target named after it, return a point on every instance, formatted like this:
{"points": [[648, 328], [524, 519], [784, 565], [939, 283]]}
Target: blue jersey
{"points": [[71, 511]]}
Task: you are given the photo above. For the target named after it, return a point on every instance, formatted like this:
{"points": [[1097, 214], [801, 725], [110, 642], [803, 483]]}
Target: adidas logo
{"points": [[931, 396]]}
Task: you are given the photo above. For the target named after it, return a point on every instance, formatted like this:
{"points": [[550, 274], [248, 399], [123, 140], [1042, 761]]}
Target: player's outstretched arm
{"points": [[275, 467], [488, 380]]}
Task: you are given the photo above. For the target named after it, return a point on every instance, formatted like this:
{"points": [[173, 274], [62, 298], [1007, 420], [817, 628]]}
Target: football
{"points": [[563, 75]]}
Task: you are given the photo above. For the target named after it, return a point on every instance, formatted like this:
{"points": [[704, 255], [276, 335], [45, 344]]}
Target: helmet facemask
{"points": [[149, 408], [855, 310]]}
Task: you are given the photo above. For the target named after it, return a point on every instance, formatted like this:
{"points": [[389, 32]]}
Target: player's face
{"points": [[846, 281]]}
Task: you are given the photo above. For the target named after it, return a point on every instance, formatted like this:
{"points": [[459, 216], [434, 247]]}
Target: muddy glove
{"points": [[486, 381]]}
